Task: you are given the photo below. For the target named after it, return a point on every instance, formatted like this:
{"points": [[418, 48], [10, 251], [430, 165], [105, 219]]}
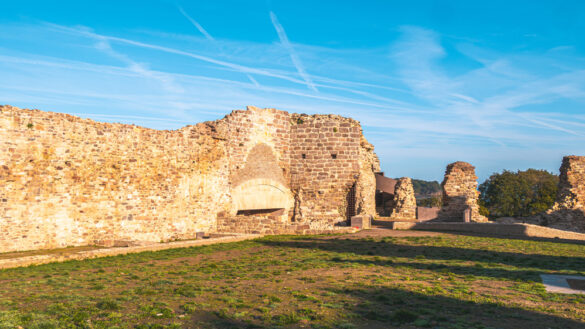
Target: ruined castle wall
{"points": [[258, 148], [69, 181], [568, 212], [366, 184], [460, 194], [247, 130], [571, 193], [324, 165]]}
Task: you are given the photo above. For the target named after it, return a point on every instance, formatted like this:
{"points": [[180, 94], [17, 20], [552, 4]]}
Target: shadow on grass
{"points": [[377, 308], [390, 249], [213, 320], [388, 307]]}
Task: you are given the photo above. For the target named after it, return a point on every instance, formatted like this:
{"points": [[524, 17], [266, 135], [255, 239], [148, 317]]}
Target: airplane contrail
{"points": [[197, 25], [293, 55]]}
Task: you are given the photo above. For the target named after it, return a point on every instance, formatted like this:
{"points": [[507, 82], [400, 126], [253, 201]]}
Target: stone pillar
{"points": [[460, 193], [404, 200], [568, 212]]}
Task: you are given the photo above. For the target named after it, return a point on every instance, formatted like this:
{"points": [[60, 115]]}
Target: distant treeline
{"points": [[425, 188], [428, 193]]}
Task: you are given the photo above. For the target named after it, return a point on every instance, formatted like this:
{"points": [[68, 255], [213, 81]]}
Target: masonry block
{"points": [[363, 222]]}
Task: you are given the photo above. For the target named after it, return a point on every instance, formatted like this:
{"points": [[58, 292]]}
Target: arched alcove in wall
{"points": [[260, 183], [259, 194]]}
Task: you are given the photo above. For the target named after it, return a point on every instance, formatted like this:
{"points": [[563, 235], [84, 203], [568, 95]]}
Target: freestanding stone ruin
{"points": [[396, 201], [568, 212], [67, 181], [460, 194], [404, 200]]}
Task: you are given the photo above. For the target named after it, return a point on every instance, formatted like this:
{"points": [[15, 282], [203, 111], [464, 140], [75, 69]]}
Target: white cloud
{"points": [[410, 104]]}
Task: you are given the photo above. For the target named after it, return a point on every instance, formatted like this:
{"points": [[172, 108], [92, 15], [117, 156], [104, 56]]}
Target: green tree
{"points": [[435, 200], [425, 188], [518, 194]]}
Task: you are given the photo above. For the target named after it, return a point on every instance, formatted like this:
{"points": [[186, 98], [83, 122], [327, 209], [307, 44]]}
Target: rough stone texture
{"points": [[271, 224], [568, 212], [67, 181], [460, 193], [330, 176], [404, 200]]}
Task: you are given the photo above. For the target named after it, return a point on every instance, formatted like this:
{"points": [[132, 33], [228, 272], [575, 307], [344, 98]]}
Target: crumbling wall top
{"points": [[572, 182]]}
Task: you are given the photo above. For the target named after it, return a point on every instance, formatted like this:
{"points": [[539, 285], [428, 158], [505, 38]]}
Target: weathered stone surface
{"points": [[67, 181], [568, 212], [404, 200], [460, 193], [332, 169]]}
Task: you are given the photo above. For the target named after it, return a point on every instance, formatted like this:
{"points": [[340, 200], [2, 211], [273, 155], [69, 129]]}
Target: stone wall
{"points": [[67, 181], [568, 212], [258, 150], [366, 184], [460, 194], [404, 200], [331, 167]]}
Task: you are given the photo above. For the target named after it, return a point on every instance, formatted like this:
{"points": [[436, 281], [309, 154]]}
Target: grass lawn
{"points": [[446, 281]]}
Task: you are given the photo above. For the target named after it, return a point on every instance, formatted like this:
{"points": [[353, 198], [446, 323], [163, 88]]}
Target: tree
{"points": [[518, 194], [435, 200], [425, 188]]}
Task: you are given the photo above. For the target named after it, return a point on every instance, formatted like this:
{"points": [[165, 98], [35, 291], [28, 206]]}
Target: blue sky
{"points": [[500, 84]]}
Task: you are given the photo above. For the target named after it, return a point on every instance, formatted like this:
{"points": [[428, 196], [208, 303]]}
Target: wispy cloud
{"points": [[195, 23], [418, 53], [140, 68], [500, 112], [293, 55], [236, 67]]}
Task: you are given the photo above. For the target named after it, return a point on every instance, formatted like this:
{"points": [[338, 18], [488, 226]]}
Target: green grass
{"points": [[310, 282]]}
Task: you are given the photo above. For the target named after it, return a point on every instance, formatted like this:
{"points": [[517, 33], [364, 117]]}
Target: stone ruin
{"points": [[460, 194], [568, 212], [396, 201], [404, 203], [68, 181]]}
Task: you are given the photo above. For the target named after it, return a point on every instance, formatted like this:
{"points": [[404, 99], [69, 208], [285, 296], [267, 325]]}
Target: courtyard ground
{"points": [[374, 279]]}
